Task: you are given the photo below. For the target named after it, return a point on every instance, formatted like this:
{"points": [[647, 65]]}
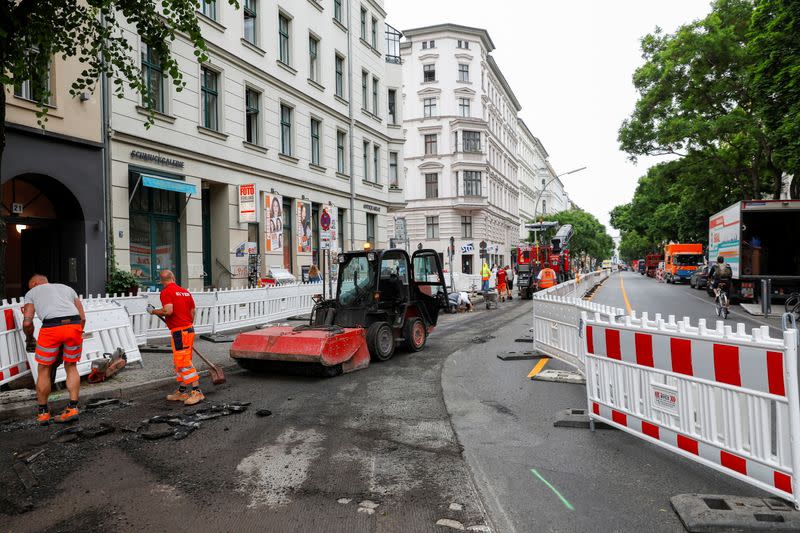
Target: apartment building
{"points": [[295, 113], [460, 117], [53, 186]]}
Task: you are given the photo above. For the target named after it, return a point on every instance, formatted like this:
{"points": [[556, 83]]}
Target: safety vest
{"points": [[548, 278], [486, 272]]}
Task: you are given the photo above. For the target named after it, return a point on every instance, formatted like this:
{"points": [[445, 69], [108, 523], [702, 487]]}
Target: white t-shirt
{"points": [[52, 300]]}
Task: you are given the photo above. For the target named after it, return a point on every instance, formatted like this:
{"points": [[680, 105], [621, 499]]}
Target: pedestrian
{"points": [[546, 278], [510, 282], [179, 311], [502, 288], [61, 335], [313, 274], [486, 273]]}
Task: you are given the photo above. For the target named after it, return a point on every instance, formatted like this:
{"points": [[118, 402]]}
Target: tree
{"points": [[589, 235], [32, 32]]}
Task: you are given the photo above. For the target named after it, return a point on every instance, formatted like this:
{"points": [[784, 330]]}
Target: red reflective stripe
{"points": [[9, 315], [644, 350], [1, 376], [612, 344], [13, 371], [681, 352], [689, 445], [775, 373], [783, 482], [619, 418], [734, 462], [726, 365], [589, 340], [651, 430], [596, 408]]}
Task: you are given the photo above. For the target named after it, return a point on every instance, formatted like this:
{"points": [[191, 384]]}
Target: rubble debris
{"points": [[263, 412], [482, 339], [97, 403], [180, 426], [98, 430], [29, 456], [25, 475], [67, 434], [454, 524], [158, 433], [456, 507], [344, 501]]}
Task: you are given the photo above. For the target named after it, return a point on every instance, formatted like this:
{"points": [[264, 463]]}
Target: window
{"points": [[463, 72], [210, 99], [424, 45], [428, 73], [392, 101], [432, 227], [376, 163], [466, 264], [471, 140], [463, 44], [370, 228], [466, 227], [283, 38], [340, 141], [250, 26], [393, 45], [153, 76], [286, 130], [463, 107], [209, 8], [363, 23], [315, 144], [339, 76], [432, 185], [337, 10], [431, 141], [313, 58], [252, 102], [364, 89], [544, 206], [429, 107], [428, 44], [472, 183], [393, 175], [366, 161], [375, 96], [374, 32]]}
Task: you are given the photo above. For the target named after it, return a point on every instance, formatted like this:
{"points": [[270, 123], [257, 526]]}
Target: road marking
{"points": [[539, 367], [555, 491], [625, 296]]}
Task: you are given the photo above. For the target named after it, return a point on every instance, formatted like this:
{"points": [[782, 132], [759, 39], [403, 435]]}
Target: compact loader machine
{"points": [[383, 298]]}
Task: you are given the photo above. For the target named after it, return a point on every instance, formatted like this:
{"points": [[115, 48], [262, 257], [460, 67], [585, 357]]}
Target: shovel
{"points": [[217, 375]]}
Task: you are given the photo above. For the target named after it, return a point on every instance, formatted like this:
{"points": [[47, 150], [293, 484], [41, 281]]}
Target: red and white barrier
{"points": [[720, 397], [13, 362]]}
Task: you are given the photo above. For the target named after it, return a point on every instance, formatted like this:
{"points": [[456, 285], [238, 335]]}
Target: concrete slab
{"points": [[576, 418], [711, 513], [560, 376], [218, 337], [520, 356]]}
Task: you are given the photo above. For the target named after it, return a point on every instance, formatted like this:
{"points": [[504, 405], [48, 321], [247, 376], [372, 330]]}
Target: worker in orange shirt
{"points": [[546, 278]]}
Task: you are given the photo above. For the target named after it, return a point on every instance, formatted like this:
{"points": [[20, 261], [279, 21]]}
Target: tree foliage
{"points": [[589, 235], [33, 32]]}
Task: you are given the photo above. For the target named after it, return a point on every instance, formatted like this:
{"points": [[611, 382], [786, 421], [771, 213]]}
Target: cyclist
{"points": [[720, 275]]}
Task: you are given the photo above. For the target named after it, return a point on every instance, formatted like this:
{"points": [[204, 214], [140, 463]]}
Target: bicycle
{"points": [[721, 302], [792, 304]]}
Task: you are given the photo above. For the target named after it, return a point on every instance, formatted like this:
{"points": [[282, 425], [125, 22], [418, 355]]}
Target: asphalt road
{"points": [[331, 450], [536, 477]]}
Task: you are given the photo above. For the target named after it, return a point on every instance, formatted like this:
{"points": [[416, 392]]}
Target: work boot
{"points": [[69, 414], [194, 397], [178, 396], [43, 419]]}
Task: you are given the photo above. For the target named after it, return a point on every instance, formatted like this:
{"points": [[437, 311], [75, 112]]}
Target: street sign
{"points": [[247, 203], [400, 229]]}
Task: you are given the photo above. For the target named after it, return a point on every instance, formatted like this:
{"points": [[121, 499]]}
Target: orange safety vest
{"points": [[548, 278]]}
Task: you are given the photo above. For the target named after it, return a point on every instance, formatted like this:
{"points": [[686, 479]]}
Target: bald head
{"points": [[36, 280], [167, 277]]}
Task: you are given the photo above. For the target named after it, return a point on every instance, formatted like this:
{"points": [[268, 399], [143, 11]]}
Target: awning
{"points": [[167, 184]]}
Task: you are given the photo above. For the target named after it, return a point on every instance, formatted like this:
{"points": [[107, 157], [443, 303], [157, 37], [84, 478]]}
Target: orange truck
{"points": [[681, 260]]}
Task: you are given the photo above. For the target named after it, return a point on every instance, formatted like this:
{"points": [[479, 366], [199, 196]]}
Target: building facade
{"points": [[460, 118], [294, 115], [53, 184]]}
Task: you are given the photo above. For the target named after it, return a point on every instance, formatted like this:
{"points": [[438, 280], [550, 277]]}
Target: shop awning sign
{"points": [[168, 184], [247, 203]]}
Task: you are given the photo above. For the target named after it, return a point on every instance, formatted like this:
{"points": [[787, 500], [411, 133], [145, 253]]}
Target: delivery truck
{"points": [[760, 239], [681, 260]]}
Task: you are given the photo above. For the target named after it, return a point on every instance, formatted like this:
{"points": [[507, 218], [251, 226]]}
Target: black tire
{"points": [[380, 341], [414, 334], [691, 283]]}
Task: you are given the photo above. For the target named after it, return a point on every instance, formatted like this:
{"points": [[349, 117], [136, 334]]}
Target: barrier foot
{"points": [[577, 418], [520, 356], [712, 512], [591, 425]]}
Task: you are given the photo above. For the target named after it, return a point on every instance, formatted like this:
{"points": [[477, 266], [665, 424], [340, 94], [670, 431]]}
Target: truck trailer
{"points": [[681, 260], [760, 239]]}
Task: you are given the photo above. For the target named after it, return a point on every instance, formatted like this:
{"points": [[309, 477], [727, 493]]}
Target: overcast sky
{"points": [[570, 64]]}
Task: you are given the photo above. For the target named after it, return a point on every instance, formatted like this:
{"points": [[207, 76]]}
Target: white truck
{"points": [[760, 239]]}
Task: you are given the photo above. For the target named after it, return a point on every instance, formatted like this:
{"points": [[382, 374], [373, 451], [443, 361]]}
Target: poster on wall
{"points": [[328, 226], [247, 203], [273, 222], [303, 229]]}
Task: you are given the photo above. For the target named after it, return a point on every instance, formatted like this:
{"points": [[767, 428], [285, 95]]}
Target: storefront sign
{"points": [[467, 248], [246, 248], [273, 222], [303, 227], [328, 225], [155, 158], [247, 203], [16, 208], [374, 208]]}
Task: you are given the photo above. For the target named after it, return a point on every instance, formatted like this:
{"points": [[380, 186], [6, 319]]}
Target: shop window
{"points": [[371, 229], [288, 217], [466, 264]]}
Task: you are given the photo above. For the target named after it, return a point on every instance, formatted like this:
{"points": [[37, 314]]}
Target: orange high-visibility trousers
{"points": [[52, 338], [182, 343]]}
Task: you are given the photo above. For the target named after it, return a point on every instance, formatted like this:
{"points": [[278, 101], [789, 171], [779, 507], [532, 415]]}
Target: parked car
{"points": [[642, 267], [699, 278]]}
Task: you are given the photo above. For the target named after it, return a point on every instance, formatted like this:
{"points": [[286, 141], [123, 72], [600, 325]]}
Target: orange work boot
{"points": [[178, 396], [43, 419], [69, 414], [195, 397]]}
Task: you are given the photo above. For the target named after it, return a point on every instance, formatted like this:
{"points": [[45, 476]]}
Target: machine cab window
{"points": [[357, 279]]}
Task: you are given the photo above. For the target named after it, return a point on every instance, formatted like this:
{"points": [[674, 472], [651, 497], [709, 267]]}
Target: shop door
{"points": [[39, 253], [166, 239]]}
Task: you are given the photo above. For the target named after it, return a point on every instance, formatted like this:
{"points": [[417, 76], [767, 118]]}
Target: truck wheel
{"points": [[415, 334], [380, 341]]}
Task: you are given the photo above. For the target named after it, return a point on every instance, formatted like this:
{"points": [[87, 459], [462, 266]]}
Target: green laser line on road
{"points": [[555, 490]]}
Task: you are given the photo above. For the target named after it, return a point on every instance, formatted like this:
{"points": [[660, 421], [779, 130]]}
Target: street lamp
{"points": [[539, 196]]}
